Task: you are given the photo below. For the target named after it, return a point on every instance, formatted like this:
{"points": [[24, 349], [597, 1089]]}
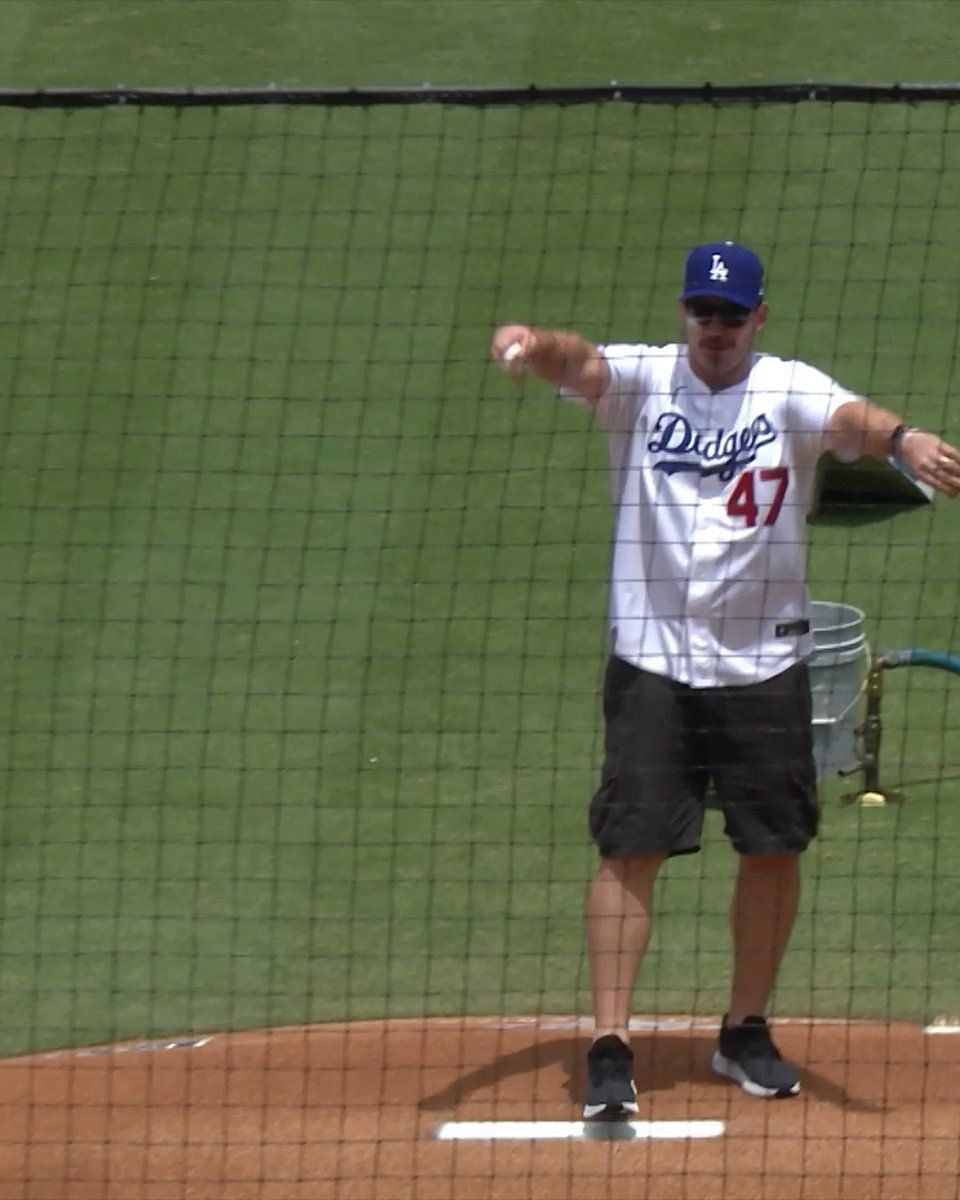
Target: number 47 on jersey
{"points": [[765, 487]]}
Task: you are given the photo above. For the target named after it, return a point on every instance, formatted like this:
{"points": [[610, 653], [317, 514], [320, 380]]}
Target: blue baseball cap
{"points": [[724, 271]]}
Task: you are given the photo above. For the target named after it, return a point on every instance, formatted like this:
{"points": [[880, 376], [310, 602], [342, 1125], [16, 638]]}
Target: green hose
{"points": [[920, 658]]}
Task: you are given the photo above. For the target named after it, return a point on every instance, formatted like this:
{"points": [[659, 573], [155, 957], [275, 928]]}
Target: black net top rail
{"points": [[783, 93]]}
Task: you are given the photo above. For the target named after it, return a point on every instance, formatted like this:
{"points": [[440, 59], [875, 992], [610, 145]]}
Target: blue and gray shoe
{"points": [[611, 1092], [746, 1054]]}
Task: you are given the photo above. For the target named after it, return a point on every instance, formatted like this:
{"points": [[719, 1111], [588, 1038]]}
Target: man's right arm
{"points": [[564, 359]]}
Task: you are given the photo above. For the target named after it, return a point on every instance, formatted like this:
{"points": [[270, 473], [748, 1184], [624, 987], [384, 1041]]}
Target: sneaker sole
{"points": [[610, 1112], [732, 1070], [612, 1108]]}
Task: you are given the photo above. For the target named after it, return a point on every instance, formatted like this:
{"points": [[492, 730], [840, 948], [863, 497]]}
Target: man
{"points": [[713, 452]]}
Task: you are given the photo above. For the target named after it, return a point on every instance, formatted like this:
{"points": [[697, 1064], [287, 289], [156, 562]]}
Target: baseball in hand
{"points": [[514, 362]]}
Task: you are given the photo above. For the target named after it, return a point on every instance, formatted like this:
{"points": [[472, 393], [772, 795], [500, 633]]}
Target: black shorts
{"points": [[666, 742]]}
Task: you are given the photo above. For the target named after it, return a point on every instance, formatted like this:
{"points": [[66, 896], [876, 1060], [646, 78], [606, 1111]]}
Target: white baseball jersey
{"points": [[711, 492]]}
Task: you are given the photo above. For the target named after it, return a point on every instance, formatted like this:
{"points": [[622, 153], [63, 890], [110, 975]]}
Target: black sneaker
{"points": [[611, 1092], [746, 1054]]}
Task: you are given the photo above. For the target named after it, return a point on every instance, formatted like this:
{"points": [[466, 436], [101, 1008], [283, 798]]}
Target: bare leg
{"points": [[618, 921], [761, 919]]}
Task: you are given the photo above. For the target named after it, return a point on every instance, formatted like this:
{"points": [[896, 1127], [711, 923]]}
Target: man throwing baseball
{"points": [[713, 454]]}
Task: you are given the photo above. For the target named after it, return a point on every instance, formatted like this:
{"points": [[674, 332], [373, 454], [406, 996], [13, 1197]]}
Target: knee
{"points": [[631, 870], [770, 864]]}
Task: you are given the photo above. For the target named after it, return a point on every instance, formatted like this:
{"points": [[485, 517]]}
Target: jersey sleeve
{"points": [[813, 399], [616, 410]]}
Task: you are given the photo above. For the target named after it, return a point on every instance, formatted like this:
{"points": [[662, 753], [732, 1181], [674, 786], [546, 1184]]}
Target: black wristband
{"points": [[896, 438]]}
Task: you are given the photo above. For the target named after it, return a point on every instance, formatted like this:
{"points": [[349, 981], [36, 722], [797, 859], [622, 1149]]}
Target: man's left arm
{"points": [[859, 428]]}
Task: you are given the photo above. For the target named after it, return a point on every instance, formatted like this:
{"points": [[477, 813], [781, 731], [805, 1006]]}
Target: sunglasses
{"points": [[730, 316]]}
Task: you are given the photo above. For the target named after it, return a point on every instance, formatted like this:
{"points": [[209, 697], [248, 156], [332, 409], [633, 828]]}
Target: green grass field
{"points": [[303, 604]]}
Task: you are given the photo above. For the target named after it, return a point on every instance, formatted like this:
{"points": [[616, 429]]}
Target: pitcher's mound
{"points": [[351, 1112]]}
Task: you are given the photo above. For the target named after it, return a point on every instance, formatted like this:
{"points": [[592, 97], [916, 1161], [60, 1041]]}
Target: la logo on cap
{"points": [[718, 270]]}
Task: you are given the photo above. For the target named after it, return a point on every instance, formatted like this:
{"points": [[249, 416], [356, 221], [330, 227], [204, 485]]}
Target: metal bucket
{"points": [[837, 670]]}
